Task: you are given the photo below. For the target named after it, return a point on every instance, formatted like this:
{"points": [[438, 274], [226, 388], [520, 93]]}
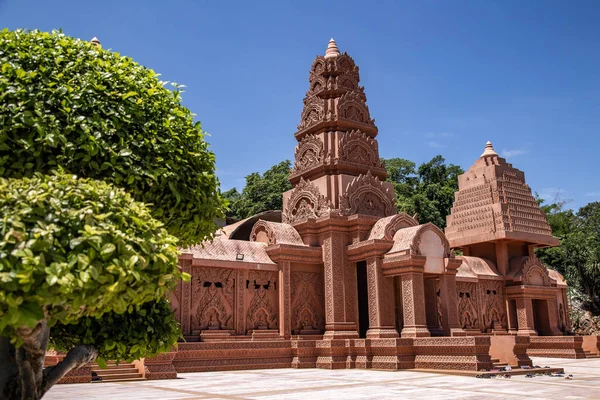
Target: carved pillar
{"points": [[285, 302], [553, 317], [413, 299], [450, 321], [511, 317], [381, 301], [566, 308], [186, 298], [431, 307], [525, 317], [340, 317], [240, 311]]}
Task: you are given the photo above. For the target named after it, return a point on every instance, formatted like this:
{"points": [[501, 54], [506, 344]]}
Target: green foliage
{"points": [[578, 255], [67, 104], [72, 247], [261, 193], [427, 191], [146, 331]]}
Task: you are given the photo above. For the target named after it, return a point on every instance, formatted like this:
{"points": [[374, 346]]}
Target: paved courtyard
{"points": [[347, 384]]}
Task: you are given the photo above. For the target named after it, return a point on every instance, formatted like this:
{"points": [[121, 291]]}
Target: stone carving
{"points": [[214, 289], [358, 147], [367, 195], [305, 202], [352, 107], [307, 301], [494, 316], [467, 305], [262, 311], [313, 113], [535, 271], [309, 153]]}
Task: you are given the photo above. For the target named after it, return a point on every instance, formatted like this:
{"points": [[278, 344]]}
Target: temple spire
{"points": [[489, 150], [95, 41], [332, 49]]}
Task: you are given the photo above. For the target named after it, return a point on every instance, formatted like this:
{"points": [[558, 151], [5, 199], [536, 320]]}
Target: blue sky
{"points": [[441, 77]]}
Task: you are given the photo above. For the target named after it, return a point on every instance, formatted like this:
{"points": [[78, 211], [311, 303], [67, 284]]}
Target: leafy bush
{"points": [[148, 330], [77, 247], [65, 103]]}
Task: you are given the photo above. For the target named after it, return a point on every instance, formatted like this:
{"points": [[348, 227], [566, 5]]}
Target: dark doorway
{"points": [[363, 298], [513, 322], [541, 318]]}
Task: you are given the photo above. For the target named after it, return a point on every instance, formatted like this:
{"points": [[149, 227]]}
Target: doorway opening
{"points": [[541, 318], [363, 298]]}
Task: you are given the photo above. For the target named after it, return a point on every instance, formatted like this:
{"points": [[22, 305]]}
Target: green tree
{"points": [[261, 193], [427, 191], [101, 167]]}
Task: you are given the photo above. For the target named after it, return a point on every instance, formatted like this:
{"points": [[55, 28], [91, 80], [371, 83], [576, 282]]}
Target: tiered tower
{"points": [[494, 213], [337, 167]]}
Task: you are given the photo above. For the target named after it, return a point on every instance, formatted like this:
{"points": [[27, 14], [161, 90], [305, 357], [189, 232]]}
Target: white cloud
{"points": [[436, 145], [513, 152], [439, 135]]}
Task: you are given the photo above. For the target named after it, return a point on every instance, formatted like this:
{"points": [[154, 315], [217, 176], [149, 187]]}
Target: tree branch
{"points": [[75, 358]]}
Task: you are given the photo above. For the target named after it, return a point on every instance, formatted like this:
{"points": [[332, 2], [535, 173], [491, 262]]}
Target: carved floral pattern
{"points": [[309, 153], [262, 311], [214, 290], [367, 195], [467, 305], [307, 301], [494, 315], [360, 148], [305, 202]]}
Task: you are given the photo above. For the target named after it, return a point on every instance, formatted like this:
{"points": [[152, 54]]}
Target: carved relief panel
{"points": [[493, 309], [467, 305], [307, 302], [367, 195], [309, 153], [213, 298], [261, 296], [358, 147], [305, 202]]}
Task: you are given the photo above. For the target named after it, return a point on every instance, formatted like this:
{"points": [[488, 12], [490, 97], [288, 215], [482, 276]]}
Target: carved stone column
{"points": [[413, 299], [186, 297], [525, 317], [381, 301], [450, 322], [340, 307], [285, 302]]}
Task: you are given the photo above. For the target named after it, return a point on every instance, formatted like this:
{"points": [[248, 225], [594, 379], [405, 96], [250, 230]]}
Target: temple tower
{"points": [[337, 154], [495, 217]]}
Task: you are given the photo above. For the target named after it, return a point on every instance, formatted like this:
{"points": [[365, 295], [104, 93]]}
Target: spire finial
{"points": [[95, 41], [332, 49], [489, 150]]}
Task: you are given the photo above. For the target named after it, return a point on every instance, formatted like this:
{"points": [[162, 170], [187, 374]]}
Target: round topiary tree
{"points": [[68, 103], [102, 167]]}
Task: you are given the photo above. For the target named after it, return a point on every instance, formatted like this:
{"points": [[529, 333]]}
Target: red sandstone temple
{"points": [[339, 279]]}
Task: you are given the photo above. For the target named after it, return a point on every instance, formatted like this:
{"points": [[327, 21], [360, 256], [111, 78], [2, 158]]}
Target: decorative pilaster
{"points": [[240, 302], [525, 317], [338, 323], [285, 303], [186, 297], [450, 322], [413, 298], [381, 301]]}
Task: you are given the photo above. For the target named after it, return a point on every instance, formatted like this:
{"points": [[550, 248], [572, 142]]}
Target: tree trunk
{"points": [[22, 373]]}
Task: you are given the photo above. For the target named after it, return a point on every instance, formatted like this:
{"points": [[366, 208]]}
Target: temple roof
{"points": [[224, 249], [493, 202], [476, 267]]}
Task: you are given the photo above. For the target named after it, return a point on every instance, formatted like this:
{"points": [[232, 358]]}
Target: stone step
{"points": [[115, 371], [120, 380], [113, 366], [495, 360], [110, 378]]}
